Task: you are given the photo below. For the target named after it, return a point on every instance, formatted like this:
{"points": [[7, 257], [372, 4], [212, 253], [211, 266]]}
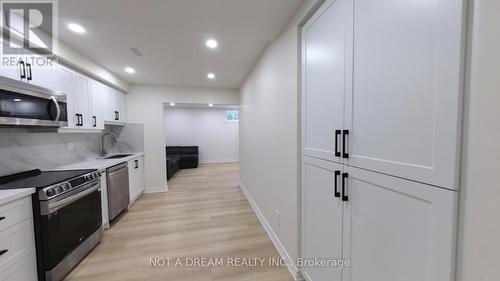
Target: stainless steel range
{"points": [[67, 217]]}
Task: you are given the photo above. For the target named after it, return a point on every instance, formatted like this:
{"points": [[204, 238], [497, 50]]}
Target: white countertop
{"points": [[8, 195], [100, 163]]}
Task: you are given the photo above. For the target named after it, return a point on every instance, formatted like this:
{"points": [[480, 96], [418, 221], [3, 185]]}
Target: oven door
{"points": [[68, 220]]}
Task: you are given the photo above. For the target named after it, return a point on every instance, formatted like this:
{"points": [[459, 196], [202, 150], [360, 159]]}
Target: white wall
{"points": [[206, 128], [146, 104], [269, 134], [479, 239]]}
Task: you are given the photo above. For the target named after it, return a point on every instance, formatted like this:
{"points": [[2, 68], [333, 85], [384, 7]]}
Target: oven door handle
{"points": [[54, 206]]}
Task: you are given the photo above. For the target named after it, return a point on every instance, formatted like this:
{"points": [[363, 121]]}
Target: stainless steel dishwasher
{"points": [[118, 189]]}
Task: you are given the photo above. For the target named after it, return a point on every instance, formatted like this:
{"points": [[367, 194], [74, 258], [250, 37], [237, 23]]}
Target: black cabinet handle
{"points": [[77, 119], [81, 118], [345, 154], [337, 193], [344, 193], [23, 69], [30, 76], [337, 135], [136, 164], [3, 252], [116, 116], [95, 121], [2, 218]]}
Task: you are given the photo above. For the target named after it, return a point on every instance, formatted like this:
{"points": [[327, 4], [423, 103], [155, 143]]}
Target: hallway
{"points": [[204, 214]]}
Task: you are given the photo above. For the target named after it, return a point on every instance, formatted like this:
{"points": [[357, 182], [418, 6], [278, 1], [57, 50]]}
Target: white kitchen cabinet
{"points": [[113, 105], [396, 229], [322, 218], [11, 69], [119, 99], [404, 109], [17, 241], [136, 178], [82, 105], [96, 92], [323, 81]]}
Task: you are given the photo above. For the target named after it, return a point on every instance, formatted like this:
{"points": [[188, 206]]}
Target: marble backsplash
{"points": [[21, 149]]}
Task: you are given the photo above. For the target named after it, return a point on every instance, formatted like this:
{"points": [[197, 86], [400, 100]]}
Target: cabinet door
{"points": [[404, 110], [63, 82], [96, 90], [322, 217], [108, 104], [10, 67], [323, 81], [119, 105], [396, 229], [40, 70], [81, 88]]}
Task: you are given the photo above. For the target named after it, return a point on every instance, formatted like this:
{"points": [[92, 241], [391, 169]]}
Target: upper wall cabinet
{"points": [[382, 87], [113, 105], [324, 81]]}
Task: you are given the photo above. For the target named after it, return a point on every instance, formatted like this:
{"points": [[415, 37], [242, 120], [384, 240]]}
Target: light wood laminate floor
{"points": [[205, 214]]}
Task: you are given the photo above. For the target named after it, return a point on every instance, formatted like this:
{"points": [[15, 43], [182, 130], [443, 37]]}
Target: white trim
{"points": [[155, 190], [274, 238]]}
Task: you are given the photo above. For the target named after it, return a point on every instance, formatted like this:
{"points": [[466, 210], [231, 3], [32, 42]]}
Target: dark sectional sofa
{"points": [[181, 157]]}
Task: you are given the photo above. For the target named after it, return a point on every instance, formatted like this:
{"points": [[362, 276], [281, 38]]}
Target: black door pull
{"points": [[336, 179], [2, 218], [345, 197], [23, 69], [116, 116], [345, 154], [3, 252], [337, 135], [95, 121], [136, 164], [30, 76]]}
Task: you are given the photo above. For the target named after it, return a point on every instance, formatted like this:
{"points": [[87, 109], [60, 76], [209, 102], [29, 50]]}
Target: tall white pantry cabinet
{"points": [[381, 133]]}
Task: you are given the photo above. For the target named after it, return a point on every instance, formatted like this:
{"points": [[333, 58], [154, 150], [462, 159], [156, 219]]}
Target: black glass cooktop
{"points": [[38, 179]]}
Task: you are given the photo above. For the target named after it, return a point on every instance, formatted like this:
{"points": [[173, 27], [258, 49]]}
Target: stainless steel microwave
{"points": [[27, 105]]}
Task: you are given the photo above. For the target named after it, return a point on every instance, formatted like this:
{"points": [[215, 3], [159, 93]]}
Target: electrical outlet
{"points": [[277, 216], [70, 146]]}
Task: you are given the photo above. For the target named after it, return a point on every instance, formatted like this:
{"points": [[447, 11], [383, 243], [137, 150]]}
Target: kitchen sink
{"points": [[117, 156]]}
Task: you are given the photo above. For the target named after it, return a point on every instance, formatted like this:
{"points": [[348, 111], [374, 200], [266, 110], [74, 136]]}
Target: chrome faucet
{"points": [[103, 151]]}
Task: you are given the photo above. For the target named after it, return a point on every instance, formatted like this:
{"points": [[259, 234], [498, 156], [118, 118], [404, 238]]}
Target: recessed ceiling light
{"points": [[172, 104], [211, 76], [210, 104], [17, 100], [76, 28], [212, 43], [129, 70]]}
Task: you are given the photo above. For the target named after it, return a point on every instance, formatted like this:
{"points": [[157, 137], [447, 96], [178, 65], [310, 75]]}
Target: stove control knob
{"points": [[88, 177], [60, 189], [50, 192], [66, 186]]}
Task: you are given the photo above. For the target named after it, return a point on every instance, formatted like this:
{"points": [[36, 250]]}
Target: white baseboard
{"points": [[155, 190], [274, 238]]}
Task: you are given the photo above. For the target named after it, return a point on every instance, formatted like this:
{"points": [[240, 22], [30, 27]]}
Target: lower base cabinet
{"points": [[24, 270], [17, 241], [390, 229], [136, 178]]}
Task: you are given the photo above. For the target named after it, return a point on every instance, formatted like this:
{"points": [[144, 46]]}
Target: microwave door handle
{"points": [[58, 115]]}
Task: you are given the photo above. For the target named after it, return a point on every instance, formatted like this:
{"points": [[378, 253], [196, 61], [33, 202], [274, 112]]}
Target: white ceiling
{"points": [[171, 35]]}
